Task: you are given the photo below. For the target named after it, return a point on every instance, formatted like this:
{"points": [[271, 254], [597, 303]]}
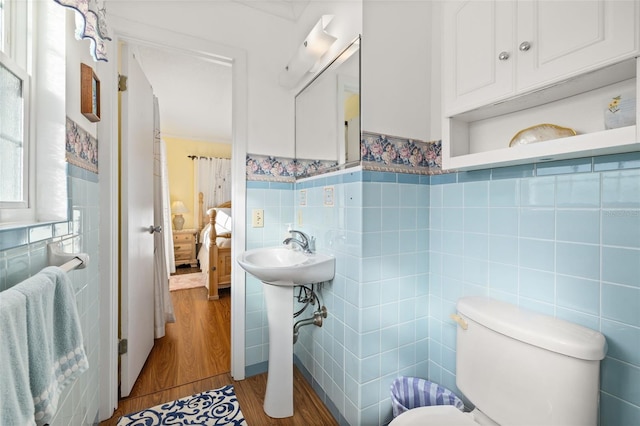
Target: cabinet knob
{"points": [[503, 56], [524, 46]]}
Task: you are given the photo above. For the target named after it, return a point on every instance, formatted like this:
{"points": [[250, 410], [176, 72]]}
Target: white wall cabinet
{"points": [[510, 65], [495, 49], [476, 34], [567, 38]]}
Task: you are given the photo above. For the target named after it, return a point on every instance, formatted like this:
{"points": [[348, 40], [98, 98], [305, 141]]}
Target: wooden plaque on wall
{"points": [[89, 93]]}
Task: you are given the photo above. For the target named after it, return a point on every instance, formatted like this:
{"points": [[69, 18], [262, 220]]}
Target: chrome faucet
{"points": [[303, 242]]}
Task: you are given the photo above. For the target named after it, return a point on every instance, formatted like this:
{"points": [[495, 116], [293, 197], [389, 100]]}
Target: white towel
{"points": [[54, 338], [16, 406]]}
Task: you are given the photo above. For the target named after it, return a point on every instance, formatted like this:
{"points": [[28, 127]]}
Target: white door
{"points": [[353, 139], [136, 216]]}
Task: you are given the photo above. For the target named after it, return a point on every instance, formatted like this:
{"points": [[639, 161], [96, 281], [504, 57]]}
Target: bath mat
{"points": [[184, 281], [214, 407]]}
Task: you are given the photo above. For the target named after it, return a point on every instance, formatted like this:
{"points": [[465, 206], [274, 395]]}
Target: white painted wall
{"points": [[398, 91], [396, 68], [77, 52], [345, 26], [435, 94], [322, 126], [264, 37], [269, 41], [48, 115]]}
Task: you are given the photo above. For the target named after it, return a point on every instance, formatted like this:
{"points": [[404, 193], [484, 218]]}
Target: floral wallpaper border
{"points": [[274, 169], [384, 153], [81, 147], [378, 152]]}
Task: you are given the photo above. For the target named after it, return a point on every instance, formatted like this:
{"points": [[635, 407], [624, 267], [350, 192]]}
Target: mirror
{"points": [[327, 121]]}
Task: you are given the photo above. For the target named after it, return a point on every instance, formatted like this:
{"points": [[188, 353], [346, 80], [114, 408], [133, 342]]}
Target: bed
{"points": [[214, 253]]}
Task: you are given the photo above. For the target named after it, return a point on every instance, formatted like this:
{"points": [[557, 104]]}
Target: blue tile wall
{"points": [[377, 325], [276, 199], [24, 253], [376, 328], [562, 239]]}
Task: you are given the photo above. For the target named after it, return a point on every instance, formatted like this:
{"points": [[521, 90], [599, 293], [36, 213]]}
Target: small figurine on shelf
{"points": [[620, 112]]}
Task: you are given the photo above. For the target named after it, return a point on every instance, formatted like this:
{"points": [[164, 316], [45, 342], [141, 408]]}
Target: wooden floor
{"points": [[194, 356]]}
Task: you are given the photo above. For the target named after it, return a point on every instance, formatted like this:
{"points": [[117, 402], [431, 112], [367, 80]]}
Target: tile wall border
{"points": [[81, 147]]}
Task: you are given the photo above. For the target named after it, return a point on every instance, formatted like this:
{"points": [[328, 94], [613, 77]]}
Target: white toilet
{"points": [[519, 368]]}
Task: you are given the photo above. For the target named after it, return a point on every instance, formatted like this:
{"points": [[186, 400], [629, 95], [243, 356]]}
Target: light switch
{"points": [[257, 218]]}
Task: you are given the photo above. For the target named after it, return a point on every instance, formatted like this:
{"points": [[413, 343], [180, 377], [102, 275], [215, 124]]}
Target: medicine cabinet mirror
{"points": [[327, 120]]}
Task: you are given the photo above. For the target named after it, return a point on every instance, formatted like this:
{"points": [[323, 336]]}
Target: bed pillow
{"points": [[223, 220], [223, 242], [223, 224]]}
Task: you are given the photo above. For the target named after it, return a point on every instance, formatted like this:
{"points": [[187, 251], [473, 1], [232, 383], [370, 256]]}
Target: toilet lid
{"points": [[440, 415]]}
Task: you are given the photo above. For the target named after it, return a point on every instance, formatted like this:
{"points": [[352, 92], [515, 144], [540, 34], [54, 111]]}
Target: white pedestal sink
{"points": [[280, 269]]}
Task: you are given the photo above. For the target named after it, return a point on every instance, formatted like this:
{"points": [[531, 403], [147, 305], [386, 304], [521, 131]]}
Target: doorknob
{"points": [[153, 229]]}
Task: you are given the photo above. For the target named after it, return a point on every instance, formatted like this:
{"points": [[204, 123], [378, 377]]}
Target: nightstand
{"points": [[184, 247]]}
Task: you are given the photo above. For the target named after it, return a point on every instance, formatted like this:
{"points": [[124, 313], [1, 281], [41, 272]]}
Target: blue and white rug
{"points": [[214, 407]]}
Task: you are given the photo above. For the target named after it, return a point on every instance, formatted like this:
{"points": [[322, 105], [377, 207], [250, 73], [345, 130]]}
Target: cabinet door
{"points": [[475, 33], [572, 37]]}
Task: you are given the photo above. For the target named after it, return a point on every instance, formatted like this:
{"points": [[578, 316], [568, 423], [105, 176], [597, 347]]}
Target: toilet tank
{"points": [[523, 368]]}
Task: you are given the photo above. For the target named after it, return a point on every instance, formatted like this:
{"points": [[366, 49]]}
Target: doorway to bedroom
{"points": [[196, 129], [207, 243]]}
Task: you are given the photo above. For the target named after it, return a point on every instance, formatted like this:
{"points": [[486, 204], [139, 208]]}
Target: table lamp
{"points": [[178, 208]]}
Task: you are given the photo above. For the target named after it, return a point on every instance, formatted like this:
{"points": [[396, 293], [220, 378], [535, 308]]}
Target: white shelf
{"points": [[599, 143], [480, 138]]}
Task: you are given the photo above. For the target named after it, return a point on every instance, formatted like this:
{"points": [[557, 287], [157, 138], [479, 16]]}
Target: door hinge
{"points": [[123, 346], [122, 83]]}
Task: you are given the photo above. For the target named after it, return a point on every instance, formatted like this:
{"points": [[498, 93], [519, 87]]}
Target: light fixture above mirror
{"points": [[308, 55]]}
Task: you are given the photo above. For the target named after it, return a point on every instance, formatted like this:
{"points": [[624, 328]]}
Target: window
{"points": [[32, 122], [15, 106], [14, 117]]}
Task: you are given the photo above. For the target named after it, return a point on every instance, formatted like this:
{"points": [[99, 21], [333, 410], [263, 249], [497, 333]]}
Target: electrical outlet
{"points": [[328, 196], [257, 218], [299, 217]]}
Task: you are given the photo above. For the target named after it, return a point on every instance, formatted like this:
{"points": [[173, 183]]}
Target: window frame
{"points": [[25, 79], [6, 20], [16, 54]]}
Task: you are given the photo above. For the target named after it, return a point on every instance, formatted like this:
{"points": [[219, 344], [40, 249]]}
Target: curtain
{"points": [[163, 307], [212, 177], [166, 210]]}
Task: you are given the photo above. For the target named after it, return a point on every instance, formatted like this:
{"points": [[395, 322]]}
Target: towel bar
{"points": [[66, 261], [75, 263]]}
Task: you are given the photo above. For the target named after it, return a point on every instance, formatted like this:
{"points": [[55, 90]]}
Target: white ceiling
{"points": [[194, 94], [288, 9]]}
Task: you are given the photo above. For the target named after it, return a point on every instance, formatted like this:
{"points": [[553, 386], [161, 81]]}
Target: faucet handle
{"points": [[312, 244], [304, 236]]}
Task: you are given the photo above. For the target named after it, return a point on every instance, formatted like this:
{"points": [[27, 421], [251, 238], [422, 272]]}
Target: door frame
{"points": [[126, 31]]}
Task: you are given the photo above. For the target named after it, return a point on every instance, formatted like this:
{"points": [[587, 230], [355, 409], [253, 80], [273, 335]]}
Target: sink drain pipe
{"points": [[316, 320]]}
